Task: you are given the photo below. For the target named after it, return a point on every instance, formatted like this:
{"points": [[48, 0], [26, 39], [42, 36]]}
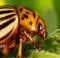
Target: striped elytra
{"points": [[8, 20]]}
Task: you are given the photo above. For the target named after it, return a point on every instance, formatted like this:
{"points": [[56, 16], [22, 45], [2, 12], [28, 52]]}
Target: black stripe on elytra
{"points": [[5, 7], [5, 35], [7, 23], [6, 17], [6, 11]]}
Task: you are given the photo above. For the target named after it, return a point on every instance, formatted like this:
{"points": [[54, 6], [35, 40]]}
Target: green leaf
{"points": [[42, 54]]}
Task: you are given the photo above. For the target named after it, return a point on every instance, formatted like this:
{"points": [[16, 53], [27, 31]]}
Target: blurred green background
{"points": [[49, 10]]}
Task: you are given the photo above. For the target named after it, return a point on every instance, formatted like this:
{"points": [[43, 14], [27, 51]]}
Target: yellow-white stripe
{"points": [[7, 29]]}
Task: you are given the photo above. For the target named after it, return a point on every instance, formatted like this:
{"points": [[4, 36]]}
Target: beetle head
{"points": [[41, 28]]}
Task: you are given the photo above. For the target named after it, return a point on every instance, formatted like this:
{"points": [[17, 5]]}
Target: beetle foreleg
{"points": [[32, 41]]}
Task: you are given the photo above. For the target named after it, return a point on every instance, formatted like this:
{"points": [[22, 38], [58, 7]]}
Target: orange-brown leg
{"points": [[24, 37], [31, 40], [12, 44], [5, 50], [19, 55]]}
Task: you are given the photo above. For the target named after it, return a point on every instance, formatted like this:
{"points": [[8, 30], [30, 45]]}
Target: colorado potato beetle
{"points": [[16, 24]]}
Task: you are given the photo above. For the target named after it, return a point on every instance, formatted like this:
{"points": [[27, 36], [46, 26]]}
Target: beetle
{"points": [[16, 24]]}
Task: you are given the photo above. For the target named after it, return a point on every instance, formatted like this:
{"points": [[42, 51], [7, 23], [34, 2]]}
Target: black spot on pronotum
{"points": [[22, 18], [34, 15], [30, 23], [26, 16], [27, 12], [6, 23], [21, 10], [39, 26]]}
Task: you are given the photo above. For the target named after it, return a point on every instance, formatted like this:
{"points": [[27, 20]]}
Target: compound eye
{"points": [[39, 26]]}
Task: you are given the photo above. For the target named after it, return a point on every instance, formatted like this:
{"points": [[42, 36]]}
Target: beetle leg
{"points": [[12, 44], [19, 55], [32, 41], [23, 36], [5, 50], [24, 39]]}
